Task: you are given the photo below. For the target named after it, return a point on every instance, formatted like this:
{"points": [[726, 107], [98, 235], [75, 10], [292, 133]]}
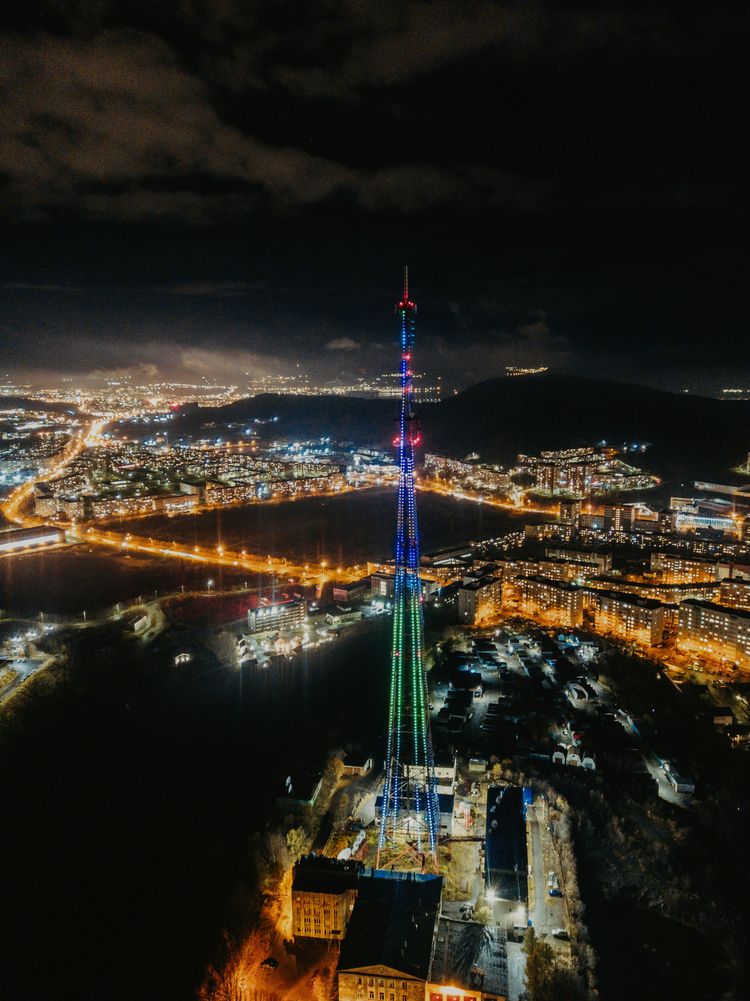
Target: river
{"points": [[347, 529]]}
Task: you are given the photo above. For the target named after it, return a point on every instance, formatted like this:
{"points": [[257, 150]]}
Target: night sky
{"points": [[206, 188]]}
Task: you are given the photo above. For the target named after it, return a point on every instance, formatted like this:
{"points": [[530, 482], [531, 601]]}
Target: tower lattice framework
{"points": [[410, 813]]}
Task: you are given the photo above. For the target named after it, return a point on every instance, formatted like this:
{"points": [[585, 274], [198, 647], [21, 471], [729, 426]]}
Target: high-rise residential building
{"points": [[714, 631], [683, 569], [621, 516], [551, 601], [629, 617], [570, 512], [735, 592], [480, 598]]}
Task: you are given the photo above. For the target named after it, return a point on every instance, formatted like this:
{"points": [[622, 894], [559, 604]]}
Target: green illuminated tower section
{"points": [[409, 813]]}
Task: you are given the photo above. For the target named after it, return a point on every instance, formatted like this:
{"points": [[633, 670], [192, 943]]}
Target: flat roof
{"points": [[393, 923], [561, 585], [476, 585], [319, 874], [628, 598], [712, 606], [470, 956]]}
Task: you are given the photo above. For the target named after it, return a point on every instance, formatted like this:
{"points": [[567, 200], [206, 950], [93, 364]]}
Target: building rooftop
{"points": [[477, 585], [626, 598], [739, 613], [353, 585], [393, 923], [562, 585], [319, 874], [470, 956]]}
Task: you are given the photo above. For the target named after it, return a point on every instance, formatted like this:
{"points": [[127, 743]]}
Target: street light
{"points": [[210, 585]]}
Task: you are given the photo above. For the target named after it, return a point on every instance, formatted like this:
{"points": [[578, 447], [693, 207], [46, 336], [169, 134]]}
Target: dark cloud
{"points": [[343, 344], [566, 180], [212, 289], [41, 287]]}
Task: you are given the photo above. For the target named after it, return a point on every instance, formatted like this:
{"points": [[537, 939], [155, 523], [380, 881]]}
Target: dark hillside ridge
{"points": [[691, 437]]}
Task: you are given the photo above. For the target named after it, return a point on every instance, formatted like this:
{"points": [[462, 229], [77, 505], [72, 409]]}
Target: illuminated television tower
{"points": [[410, 813]]}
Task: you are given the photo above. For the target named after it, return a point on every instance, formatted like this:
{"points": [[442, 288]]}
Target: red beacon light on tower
{"points": [[405, 302]]}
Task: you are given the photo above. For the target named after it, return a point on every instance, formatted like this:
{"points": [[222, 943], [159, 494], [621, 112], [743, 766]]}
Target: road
{"points": [[16, 501], [305, 574], [24, 669], [436, 487], [548, 912]]}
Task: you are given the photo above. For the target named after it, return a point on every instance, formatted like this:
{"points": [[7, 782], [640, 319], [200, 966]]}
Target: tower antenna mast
{"points": [[410, 811]]}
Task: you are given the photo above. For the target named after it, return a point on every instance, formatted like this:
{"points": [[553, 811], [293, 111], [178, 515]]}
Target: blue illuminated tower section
{"points": [[410, 815]]}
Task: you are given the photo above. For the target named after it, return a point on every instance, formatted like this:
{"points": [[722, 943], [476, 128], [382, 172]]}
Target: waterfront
{"points": [[348, 529], [175, 772], [351, 528]]}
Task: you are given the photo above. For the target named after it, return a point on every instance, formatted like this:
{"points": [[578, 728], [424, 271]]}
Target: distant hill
{"points": [[26, 403], [691, 437]]}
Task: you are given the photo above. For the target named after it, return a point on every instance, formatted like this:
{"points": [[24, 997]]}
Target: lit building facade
{"points": [[16, 540], [735, 593], [603, 561], [323, 894], [714, 631], [480, 599], [630, 618], [281, 615], [682, 569], [555, 602]]}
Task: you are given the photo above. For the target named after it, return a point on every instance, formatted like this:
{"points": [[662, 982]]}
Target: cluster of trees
{"points": [[271, 853], [548, 979]]}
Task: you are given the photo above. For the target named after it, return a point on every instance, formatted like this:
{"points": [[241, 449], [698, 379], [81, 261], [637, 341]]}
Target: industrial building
{"points": [[400, 947], [387, 951], [15, 540]]}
